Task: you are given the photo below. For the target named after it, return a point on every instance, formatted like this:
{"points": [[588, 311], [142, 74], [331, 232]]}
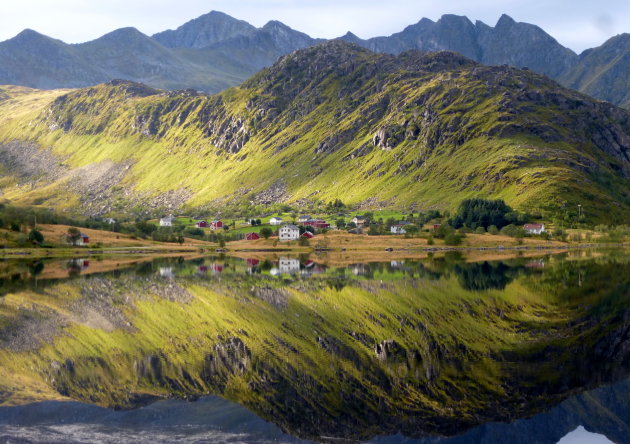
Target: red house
{"points": [[85, 239], [202, 224], [216, 268], [308, 235], [252, 262], [317, 223], [253, 236], [216, 225]]}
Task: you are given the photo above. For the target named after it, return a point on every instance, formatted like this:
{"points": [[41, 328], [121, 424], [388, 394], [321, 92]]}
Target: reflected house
{"points": [[202, 269], [252, 262], [78, 265], [289, 265], [536, 264], [167, 272], [359, 269], [534, 228], [397, 264], [217, 268]]}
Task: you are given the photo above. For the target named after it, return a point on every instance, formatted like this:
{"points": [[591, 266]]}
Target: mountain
{"points": [[216, 51], [204, 31], [330, 121], [509, 42], [604, 72]]}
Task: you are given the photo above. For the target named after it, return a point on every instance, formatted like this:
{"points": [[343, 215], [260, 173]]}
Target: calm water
{"points": [[218, 349]]}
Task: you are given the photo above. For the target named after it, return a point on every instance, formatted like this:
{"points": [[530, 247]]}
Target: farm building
{"points": [[201, 224], [398, 229], [167, 221], [252, 236], [275, 221], [216, 225]]}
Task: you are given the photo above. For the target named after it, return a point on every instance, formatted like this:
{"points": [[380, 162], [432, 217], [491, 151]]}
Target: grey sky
{"points": [[578, 24]]}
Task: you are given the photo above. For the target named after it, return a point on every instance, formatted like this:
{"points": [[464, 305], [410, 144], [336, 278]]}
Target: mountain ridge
{"points": [[216, 51], [420, 130]]}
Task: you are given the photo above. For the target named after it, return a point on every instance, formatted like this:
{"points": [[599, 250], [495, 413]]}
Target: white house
{"points": [[288, 233], [358, 220], [275, 221], [534, 228], [167, 221], [304, 218], [398, 229]]}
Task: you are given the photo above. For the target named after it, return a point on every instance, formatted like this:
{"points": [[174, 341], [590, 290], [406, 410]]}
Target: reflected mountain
{"points": [[411, 349]]}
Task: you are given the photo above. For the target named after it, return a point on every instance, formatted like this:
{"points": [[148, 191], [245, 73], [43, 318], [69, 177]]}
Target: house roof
{"points": [[291, 227], [533, 226], [359, 217]]}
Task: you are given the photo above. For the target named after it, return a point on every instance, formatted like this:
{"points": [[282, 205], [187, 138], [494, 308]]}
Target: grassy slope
{"points": [[466, 143]]}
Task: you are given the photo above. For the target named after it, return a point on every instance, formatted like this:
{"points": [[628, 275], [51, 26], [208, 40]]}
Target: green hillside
{"points": [[333, 121]]}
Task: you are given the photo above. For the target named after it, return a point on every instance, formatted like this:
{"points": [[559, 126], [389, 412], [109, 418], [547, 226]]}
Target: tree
{"points": [[36, 236], [73, 235], [475, 213], [341, 223], [266, 232]]}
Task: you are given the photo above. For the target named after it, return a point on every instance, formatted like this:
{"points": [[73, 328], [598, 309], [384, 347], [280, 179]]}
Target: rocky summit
{"points": [[419, 129]]}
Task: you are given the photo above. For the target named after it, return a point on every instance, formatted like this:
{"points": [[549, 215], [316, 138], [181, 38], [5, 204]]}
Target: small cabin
{"points": [[308, 235], [275, 221], [201, 224], [216, 225], [534, 228], [304, 218], [252, 236]]}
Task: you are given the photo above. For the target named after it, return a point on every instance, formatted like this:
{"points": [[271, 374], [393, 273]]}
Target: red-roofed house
{"points": [[253, 236], [216, 225], [534, 228]]}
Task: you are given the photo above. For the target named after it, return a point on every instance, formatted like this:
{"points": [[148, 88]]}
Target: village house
{"points": [[275, 221], [167, 221], [303, 219], [252, 236], [216, 225], [534, 228], [288, 233], [316, 223], [398, 229], [201, 224], [359, 220], [308, 235]]}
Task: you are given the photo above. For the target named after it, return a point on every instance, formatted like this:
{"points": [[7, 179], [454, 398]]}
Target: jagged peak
{"points": [[505, 20], [30, 35], [275, 24]]}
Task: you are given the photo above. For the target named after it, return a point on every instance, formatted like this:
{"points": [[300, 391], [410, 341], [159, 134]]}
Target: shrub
{"points": [[480, 230], [493, 230], [266, 232], [453, 239], [36, 236]]}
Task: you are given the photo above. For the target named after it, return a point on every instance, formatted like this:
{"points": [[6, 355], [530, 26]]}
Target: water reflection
{"points": [[324, 350]]}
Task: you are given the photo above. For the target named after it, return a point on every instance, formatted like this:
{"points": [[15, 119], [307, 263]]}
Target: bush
{"points": [[266, 232], [493, 230], [36, 236], [480, 230], [430, 240], [453, 239]]}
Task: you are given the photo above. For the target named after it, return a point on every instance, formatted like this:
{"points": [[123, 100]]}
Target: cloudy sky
{"points": [[578, 24]]}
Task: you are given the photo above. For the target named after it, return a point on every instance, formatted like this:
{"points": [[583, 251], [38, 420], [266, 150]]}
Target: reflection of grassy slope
{"points": [[464, 136], [466, 356]]}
